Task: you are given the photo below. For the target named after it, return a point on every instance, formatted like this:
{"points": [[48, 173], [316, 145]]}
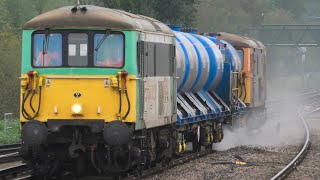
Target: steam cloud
{"points": [[282, 127]]}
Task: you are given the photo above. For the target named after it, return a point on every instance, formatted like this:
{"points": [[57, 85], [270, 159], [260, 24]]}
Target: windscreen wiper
{"points": [[103, 39], [45, 43]]}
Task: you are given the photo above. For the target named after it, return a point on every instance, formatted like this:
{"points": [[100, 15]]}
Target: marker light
{"points": [[76, 109], [99, 110], [55, 109]]}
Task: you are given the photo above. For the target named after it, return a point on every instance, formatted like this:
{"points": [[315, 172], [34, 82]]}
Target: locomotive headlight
{"points": [[76, 109]]}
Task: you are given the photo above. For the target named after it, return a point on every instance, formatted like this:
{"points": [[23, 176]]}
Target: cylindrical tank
{"points": [[216, 62], [231, 55], [203, 63], [181, 64], [189, 58], [199, 62]]}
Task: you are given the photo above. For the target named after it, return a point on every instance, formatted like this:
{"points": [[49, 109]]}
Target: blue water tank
{"points": [[216, 62], [231, 55], [189, 58], [199, 63]]}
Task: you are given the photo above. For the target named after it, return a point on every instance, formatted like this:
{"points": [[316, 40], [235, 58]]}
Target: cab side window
{"points": [[241, 54], [47, 50]]}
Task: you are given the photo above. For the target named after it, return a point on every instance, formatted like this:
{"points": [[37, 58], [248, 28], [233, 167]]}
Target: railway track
{"points": [[303, 112], [9, 149], [15, 170], [286, 171], [9, 152], [305, 99], [309, 98], [11, 166], [20, 171]]}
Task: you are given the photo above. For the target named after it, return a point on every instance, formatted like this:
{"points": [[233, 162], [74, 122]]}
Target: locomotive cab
{"points": [[88, 86], [252, 81]]}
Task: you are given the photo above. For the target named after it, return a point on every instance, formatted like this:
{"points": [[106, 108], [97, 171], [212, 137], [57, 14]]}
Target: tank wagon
{"points": [[112, 91]]}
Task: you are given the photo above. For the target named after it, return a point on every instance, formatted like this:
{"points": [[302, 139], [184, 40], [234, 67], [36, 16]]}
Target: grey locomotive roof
{"points": [[241, 41], [96, 17]]}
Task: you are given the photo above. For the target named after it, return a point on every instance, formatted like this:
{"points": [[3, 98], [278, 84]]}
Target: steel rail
{"points": [[302, 95], [27, 176], [9, 153], [305, 98], [9, 148], [285, 172], [14, 170]]}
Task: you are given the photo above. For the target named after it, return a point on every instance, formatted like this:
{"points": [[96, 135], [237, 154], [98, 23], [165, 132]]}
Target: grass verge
{"points": [[9, 131]]}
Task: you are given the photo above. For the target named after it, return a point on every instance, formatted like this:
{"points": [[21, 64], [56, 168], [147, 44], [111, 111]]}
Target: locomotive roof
{"points": [[96, 17], [241, 41]]}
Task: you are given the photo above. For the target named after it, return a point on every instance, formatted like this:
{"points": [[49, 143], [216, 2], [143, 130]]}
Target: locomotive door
{"points": [[255, 82], [258, 78], [157, 87]]}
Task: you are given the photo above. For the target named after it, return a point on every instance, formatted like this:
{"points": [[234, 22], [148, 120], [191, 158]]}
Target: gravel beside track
{"points": [[310, 166], [265, 151], [261, 164]]}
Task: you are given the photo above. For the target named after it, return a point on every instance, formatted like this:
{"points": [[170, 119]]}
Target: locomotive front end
{"points": [[98, 90], [92, 81], [79, 91]]}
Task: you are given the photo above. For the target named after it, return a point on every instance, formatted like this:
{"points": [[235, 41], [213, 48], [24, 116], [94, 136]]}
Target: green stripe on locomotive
{"points": [[131, 38]]}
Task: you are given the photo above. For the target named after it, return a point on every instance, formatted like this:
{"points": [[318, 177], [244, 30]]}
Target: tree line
{"points": [[207, 15]]}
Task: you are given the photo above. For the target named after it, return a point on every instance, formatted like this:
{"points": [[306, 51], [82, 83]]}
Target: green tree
{"points": [[3, 15], [9, 71], [239, 16], [296, 7], [142, 7], [181, 12], [21, 11], [278, 16], [222, 15]]}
